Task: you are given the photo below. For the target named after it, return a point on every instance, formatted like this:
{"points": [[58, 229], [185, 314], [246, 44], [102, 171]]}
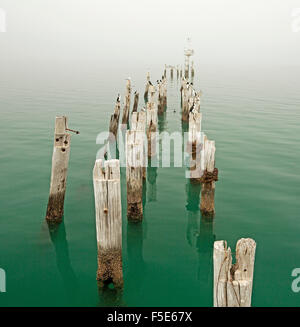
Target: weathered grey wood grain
{"points": [[233, 282], [108, 209], [60, 161]]}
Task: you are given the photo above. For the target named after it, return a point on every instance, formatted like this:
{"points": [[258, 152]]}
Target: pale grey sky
{"points": [[223, 32]]}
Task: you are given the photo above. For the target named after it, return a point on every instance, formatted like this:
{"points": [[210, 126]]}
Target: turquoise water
{"points": [[252, 114]]}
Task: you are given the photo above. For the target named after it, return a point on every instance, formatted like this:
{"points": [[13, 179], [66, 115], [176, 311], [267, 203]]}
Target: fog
{"points": [[139, 32]]}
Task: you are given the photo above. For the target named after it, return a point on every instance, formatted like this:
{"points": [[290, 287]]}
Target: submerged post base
{"points": [[207, 205], [55, 208], [110, 267], [135, 212]]}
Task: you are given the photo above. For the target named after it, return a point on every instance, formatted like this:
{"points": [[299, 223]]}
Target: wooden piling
{"points": [[151, 128], [162, 97], [210, 176], [151, 94], [114, 120], [108, 222], [138, 123], [192, 70], [147, 86], [186, 101], [136, 102], [195, 147], [60, 161], [127, 102], [197, 101], [171, 72], [186, 67], [233, 282], [134, 174]]}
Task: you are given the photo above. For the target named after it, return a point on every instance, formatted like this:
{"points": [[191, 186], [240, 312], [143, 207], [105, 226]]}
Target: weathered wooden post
{"points": [[60, 161], [233, 282], [197, 101], [108, 222], [136, 102], [160, 106], [171, 72], [192, 70], [187, 101], [151, 128], [151, 93], [114, 120], [134, 174], [183, 85], [147, 86], [165, 72], [195, 147], [210, 176], [127, 102], [138, 123], [164, 86], [186, 67]]}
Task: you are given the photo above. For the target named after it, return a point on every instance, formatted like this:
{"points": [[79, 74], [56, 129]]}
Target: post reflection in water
{"points": [[59, 240], [136, 266], [200, 235], [110, 296], [192, 207], [162, 121], [151, 182]]}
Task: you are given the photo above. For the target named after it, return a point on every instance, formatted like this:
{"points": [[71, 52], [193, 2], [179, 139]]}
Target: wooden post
{"points": [[165, 72], [208, 180], [127, 102], [186, 66], [183, 85], [192, 70], [114, 119], [187, 101], [152, 91], [171, 72], [60, 161], [147, 86], [151, 128], [138, 123], [233, 282], [161, 98], [108, 222], [136, 102], [197, 101], [164, 87], [134, 174], [195, 147]]}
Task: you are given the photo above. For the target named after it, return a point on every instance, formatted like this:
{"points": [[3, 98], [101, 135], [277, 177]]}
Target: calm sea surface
{"points": [[254, 117]]}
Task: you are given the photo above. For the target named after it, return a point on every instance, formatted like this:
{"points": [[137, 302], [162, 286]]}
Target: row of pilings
{"points": [[232, 283]]}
